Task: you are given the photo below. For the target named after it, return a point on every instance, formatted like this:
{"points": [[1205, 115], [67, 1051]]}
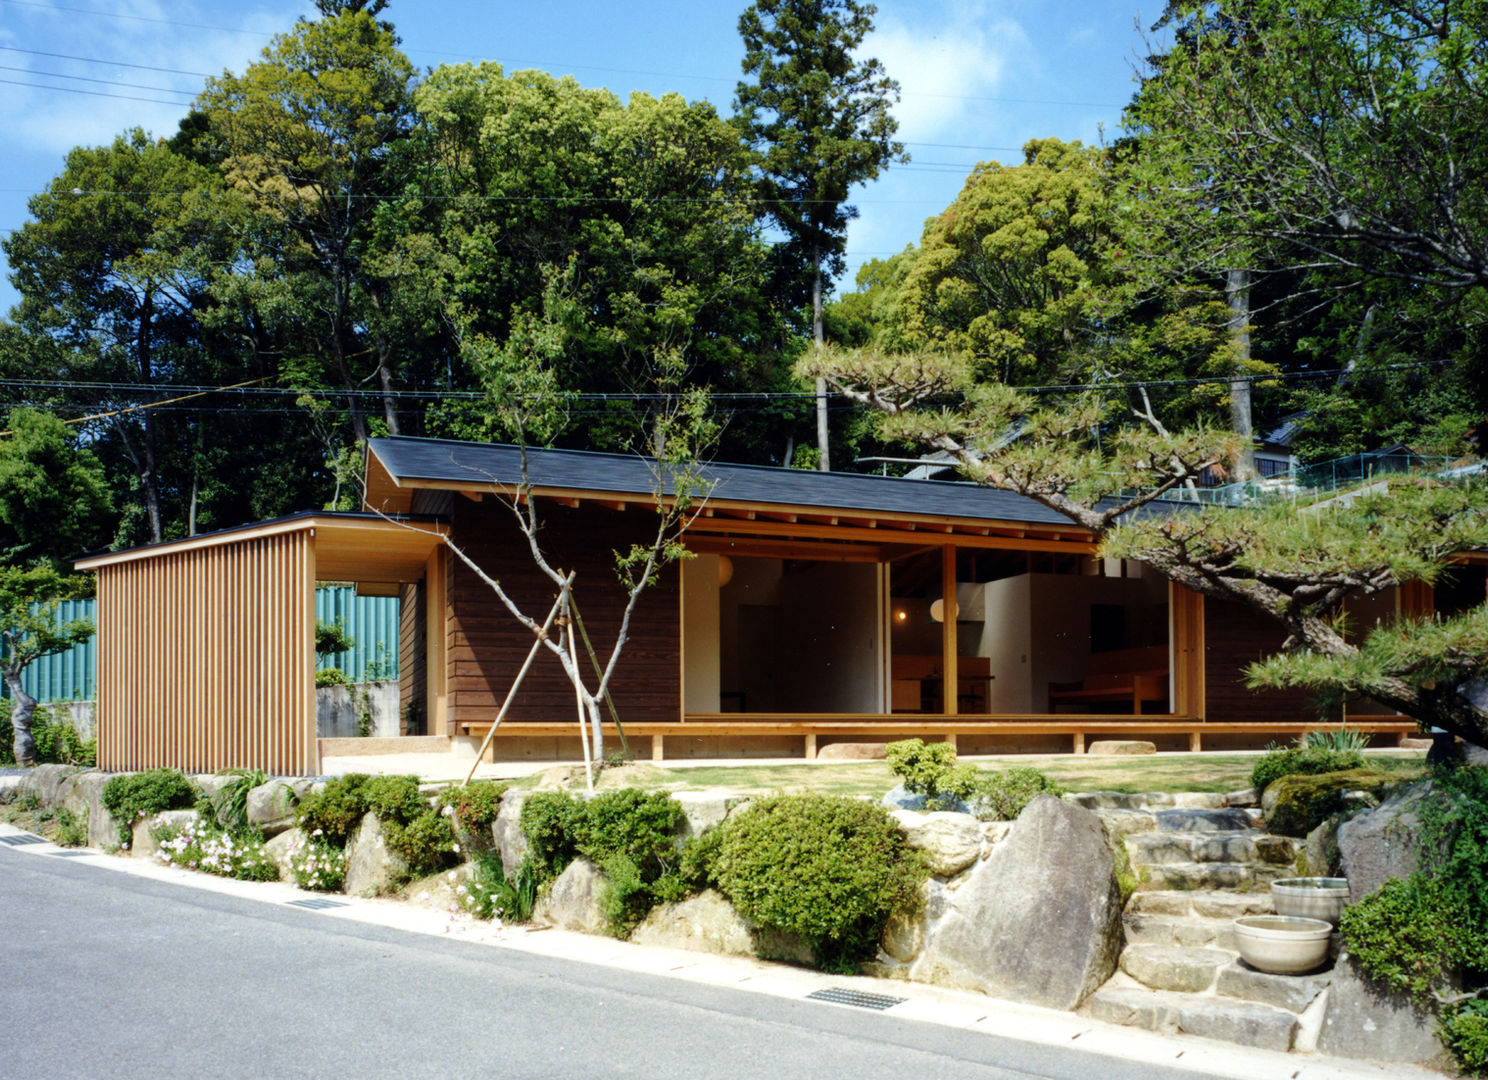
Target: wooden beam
{"points": [[804, 531], [747, 548], [949, 682]]}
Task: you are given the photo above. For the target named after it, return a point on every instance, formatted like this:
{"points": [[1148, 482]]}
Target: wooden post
{"points": [[656, 748], [1079, 746], [811, 746], [949, 682], [1195, 741], [950, 738]]}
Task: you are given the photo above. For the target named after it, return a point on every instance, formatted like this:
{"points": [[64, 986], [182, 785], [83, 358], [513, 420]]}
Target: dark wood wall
{"points": [[488, 645], [412, 646], [1236, 636]]}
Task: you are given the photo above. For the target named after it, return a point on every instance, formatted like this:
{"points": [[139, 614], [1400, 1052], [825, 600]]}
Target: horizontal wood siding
{"points": [[487, 645], [1236, 636], [206, 658]]}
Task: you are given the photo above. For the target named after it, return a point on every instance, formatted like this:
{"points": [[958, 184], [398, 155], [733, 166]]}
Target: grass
{"points": [[1163, 772]]}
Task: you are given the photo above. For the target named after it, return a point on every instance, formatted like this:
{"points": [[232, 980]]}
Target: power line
{"points": [[102, 82], [91, 93], [96, 60]]}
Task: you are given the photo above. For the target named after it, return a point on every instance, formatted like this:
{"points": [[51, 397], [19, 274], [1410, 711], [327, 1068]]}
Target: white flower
{"points": [[457, 849]]}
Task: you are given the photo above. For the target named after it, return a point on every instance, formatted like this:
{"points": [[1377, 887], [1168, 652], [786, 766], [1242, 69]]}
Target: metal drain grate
{"points": [[839, 996], [17, 839], [71, 854], [316, 905]]}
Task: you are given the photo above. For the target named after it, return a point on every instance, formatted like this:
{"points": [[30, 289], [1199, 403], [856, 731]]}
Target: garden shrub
{"points": [[630, 823], [827, 869], [394, 798], [1337, 739], [131, 796], [1465, 1031], [201, 846], [1301, 761], [474, 805], [930, 769], [491, 893], [229, 807], [1001, 796], [318, 866], [550, 821], [336, 810], [1303, 802], [72, 830], [425, 843]]}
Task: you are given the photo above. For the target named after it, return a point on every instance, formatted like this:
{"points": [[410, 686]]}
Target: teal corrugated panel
{"points": [[372, 622]]}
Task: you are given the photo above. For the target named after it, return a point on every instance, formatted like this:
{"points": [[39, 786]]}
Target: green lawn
{"points": [[1162, 772]]}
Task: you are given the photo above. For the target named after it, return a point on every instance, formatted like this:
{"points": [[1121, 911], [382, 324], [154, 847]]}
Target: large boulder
{"points": [[1295, 805], [271, 806], [147, 830], [85, 802], [572, 902], [511, 841], [1362, 1020], [703, 923], [1384, 843], [949, 842], [371, 868], [50, 784], [1038, 920], [282, 849], [705, 809]]}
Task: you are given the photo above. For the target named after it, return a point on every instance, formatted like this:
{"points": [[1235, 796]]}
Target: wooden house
{"points": [[818, 608]]}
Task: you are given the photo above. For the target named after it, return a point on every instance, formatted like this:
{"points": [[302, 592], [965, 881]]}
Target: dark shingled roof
{"points": [[444, 461]]}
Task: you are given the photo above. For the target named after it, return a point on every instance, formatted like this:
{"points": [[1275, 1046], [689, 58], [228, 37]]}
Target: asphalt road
{"points": [[111, 976]]}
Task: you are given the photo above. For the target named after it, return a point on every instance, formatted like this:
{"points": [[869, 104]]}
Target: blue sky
{"points": [[979, 77]]}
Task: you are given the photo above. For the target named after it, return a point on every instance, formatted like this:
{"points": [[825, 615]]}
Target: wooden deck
{"points": [[811, 729]]}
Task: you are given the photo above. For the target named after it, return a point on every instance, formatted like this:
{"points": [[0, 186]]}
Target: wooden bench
{"points": [[1118, 677], [879, 727]]}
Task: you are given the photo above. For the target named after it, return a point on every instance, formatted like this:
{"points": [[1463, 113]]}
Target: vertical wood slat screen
{"points": [[207, 658], [1187, 622]]}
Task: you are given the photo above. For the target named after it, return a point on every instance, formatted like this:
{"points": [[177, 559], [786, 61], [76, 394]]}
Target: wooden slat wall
{"points": [[206, 658], [1187, 608], [412, 641], [487, 645]]}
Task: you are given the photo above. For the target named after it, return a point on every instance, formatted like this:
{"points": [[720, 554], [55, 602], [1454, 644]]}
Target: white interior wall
{"points": [[701, 632]]}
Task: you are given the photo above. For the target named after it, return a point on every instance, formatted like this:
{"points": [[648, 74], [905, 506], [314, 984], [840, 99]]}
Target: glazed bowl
{"points": [[1283, 944]]}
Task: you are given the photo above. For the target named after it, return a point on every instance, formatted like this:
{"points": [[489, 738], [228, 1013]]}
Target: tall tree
{"points": [[819, 119], [54, 497], [304, 137]]}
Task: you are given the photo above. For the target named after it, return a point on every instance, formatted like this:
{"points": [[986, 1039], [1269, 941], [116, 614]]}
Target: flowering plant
{"points": [[200, 846], [318, 865]]}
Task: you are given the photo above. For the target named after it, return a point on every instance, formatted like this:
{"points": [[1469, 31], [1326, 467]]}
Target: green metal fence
{"points": [[371, 620]]}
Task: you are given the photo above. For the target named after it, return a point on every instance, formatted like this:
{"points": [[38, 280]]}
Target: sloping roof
{"points": [[442, 463]]}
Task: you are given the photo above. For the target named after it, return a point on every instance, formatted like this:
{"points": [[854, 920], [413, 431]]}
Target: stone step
{"points": [[1152, 800], [1249, 846], [1200, 820], [1244, 1022], [1174, 967], [1202, 904], [1179, 930], [1238, 877], [1291, 992]]}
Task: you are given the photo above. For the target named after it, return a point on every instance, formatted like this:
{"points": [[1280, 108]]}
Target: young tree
{"points": [[30, 630], [54, 498], [819, 119], [1295, 561]]}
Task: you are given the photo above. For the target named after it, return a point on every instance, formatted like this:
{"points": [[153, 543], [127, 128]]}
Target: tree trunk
{"points": [[823, 459], [1237, 298], [149, 483], [22, 710]]}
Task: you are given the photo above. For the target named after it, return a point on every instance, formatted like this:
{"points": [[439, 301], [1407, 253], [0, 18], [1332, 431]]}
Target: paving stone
{"points": [[1232, 905], [1123, 747], [1240, 1022], [1198, 876], [1123, 823], [1105, 800], [1216, 932], [1196, 800], [1164, 967], [1199, 819], [1161, 903], [1134, 1008], [1276, 850], [1291, 992]]}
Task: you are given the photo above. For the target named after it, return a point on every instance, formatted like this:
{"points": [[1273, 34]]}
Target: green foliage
{"points": [[1465, 1031], [331, 639], [1001, 796], [829, 870], [57, 741], [490, 893], [230, 803], [474, 805], [1339, 740], [424, 842], [131, 796], [931, 770], [318, 866], [551, 821], [1305, 801], [72, 831], [331, 677], [202, 846], [1301, 761], [642, 827], [1407, 933], [334, 812], [394, 798], [625, 898], [54, 497]]}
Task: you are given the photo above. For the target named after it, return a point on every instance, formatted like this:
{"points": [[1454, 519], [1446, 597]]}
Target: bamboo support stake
{"points": [[512, 693]]}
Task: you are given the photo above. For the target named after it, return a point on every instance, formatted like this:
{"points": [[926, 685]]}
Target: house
{"points": [[818, 608]]}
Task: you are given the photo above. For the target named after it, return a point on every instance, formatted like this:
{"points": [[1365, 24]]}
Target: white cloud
{"points": [[945, 61], [161, 35]]}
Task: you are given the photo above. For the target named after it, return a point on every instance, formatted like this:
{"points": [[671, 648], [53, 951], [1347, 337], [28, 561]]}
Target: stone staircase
{"points": [[1201, 864]]}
